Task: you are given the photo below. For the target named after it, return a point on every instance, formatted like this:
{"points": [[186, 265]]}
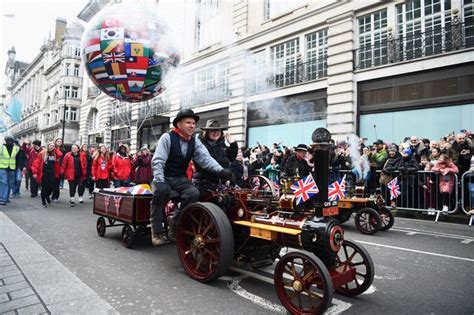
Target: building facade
{"points": [[50, 89], [273, 71]]}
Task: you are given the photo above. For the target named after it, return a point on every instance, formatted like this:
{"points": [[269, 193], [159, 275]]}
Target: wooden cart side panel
{"points": [[142, 210], [114, 206]]}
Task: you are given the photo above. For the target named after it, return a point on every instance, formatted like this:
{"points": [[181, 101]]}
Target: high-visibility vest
{"points": [[6, 160]]}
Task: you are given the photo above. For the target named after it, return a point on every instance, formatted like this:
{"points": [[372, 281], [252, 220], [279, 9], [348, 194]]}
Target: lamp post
{"points": [[64, 119]]}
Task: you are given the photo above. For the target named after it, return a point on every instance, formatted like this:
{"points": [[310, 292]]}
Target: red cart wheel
{"points": [[205, 241], [353, 255], [127, 236], [387, 218], [100, 226], [368, 221], [303, 283]]}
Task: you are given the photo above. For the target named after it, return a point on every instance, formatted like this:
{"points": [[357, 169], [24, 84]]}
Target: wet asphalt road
{"points": [[420, 267]]}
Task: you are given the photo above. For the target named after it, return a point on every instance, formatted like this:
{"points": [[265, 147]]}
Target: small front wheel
{"points": [[127, 236], [100, 226], [368, 221], [387, 218]]}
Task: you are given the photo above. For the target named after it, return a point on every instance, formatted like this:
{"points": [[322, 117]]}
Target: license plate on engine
{"points": [[330, 211]]}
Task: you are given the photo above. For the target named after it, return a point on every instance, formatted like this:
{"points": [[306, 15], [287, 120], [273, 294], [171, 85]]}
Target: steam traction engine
{"points": [[248, 226]]}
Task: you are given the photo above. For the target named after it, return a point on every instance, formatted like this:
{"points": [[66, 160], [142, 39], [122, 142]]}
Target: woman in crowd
{"points": [[142, 162], [59, 149], [88, 182], [46, 171], [121, 167], [101, 166], [446, 170], [74, 168]]}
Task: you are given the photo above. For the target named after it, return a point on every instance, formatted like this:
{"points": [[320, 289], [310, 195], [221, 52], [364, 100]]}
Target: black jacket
{"points": [[408, 164], [392, 164], [224, 155], [294, 167]]}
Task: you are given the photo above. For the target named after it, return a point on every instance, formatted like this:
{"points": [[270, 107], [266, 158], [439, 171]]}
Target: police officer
{"points": [[173, 153], [7, 168]]}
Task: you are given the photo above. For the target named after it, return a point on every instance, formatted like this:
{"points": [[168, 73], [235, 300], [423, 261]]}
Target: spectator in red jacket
{"points": [[142, 162], [101, 166], [46, 171], [121, 167], [32, 153], [74, 171]]}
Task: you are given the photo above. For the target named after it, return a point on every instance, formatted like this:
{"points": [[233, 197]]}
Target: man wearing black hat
{"points": [[214, 140], [174, 151], [296, 165]]}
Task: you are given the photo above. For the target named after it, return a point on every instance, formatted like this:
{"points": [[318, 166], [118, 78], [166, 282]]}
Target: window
{"points": [[274, 8], [121, 114], [207, 24], [94, 122], [55, 116], [77, 51], [210, 85], [76, 70], [68, 69], [372, 39], [468, 15], [71, 113], [71, 91], [423, 27], [258, 72], [46, 119], [120, 136], [284, 59], [316, 54]]}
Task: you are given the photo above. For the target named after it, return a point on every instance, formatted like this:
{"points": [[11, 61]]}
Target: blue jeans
{"points": [[7, 178], [471, 192], [17, 183], [121, 183]]}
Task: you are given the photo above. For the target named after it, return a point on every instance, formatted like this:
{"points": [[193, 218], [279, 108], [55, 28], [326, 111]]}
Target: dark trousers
{"points": [[33, 184], [77, 183], [55, 189], [47, 186], [102, 183], [188, 193], [90, 185], [27, 179]]}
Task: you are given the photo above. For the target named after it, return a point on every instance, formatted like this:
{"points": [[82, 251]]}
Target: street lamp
{"points": [[64, 119]]}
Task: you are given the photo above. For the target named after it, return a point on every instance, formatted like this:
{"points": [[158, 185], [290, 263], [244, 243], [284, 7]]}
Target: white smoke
{"points": [[360, 165]]}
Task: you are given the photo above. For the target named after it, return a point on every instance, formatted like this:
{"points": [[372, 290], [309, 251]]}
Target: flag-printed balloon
{"points": [[126, 52]]}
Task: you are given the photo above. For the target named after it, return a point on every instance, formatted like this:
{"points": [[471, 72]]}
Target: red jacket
{"points": [[100, 172], [67, 167], [37, 167], [32, 154], [121, 167]]}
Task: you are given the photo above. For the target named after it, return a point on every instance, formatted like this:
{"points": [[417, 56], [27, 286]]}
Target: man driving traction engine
{"points": [[174, 151]]}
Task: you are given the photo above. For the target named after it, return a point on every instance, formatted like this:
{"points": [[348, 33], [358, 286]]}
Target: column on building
{"points": [[341, 112]]}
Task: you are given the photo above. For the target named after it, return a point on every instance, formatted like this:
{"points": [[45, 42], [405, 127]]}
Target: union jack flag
{"points": [[304, 189], [337, 190], [394, 188], [114, 57], [276, 187]]}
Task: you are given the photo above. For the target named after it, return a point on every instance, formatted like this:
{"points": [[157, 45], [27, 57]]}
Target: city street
{"points": [[420, 267]]}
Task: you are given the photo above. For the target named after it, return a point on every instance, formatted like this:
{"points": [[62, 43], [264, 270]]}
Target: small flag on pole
{"points": [[304, 189], [394, 188]]}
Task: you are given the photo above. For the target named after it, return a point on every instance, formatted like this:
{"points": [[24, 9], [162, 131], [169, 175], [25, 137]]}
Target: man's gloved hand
{"points": [[225, 174], [159, 186]]}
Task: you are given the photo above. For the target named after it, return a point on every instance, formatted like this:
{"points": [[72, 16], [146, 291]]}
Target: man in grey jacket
{"points": [[173, 153]]}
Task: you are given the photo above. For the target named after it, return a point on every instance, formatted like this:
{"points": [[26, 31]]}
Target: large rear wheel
{"points": [[205, 241]]}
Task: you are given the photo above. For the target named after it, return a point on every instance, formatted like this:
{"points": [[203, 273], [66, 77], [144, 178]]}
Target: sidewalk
{"points": [[34, 282]]}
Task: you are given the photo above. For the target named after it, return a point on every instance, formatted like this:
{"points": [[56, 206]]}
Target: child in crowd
{"points": [[446, 170]]}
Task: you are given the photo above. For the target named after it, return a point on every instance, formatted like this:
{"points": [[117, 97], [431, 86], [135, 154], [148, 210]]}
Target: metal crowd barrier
{"points": [[467, 194]]}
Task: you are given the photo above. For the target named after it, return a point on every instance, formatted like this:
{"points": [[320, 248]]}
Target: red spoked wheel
{"points": [[303, 283], [261, 185], [368, 221], [353, 255], [205, 241]]}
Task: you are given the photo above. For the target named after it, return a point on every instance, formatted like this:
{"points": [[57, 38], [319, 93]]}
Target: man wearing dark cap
{"points": [[8, 153], [296, 165], [213, 139], [31, 153], [380, 155], [174, 151]]}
